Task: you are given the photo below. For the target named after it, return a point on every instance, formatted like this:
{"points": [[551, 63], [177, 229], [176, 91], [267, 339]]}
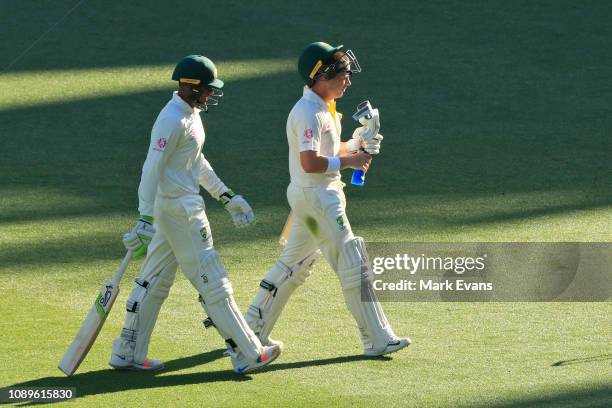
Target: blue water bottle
{"points": [[358, 178]]}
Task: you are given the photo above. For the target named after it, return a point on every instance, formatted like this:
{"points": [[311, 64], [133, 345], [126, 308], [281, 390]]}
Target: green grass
{"points": [[496, 118]]}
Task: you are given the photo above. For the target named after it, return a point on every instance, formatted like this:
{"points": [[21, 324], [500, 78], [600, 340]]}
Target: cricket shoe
{"points": [[269, 341], [264, 342], [127, 363], [242, 365], [392, 346]]}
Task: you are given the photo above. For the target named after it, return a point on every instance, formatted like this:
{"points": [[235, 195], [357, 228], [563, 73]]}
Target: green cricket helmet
{"points": [[197, 70], [317, 59]]}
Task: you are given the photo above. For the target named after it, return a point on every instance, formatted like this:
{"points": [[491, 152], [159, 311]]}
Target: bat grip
{"points": [[126, 261]]}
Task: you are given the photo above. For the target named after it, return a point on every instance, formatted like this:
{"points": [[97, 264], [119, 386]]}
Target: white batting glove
{"points": [[239, 209], [372, 146], [356, 142], [139, 238], [370, 126]]}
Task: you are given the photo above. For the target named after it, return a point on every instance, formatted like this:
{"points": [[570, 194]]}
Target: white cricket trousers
{"points": [[183, 234], [319, 222]]}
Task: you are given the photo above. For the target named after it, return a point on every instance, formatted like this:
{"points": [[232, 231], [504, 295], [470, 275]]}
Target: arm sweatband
{"points": [[333, 164]]}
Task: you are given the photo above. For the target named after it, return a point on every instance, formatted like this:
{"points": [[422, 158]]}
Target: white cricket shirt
{"points": [[175, 165], [312, 125]]}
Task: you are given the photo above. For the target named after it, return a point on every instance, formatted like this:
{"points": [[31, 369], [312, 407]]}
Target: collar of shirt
{"points": [[310, 95], [184, 106]]}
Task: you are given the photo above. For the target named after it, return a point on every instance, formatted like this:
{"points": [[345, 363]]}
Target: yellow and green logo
{"points": [[340, 221]]}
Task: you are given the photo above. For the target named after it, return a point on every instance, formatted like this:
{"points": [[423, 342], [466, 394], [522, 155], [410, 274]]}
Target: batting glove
{"points": [[372, 146], [239, 209], [370, 126], [356, 141], [139, 238]]}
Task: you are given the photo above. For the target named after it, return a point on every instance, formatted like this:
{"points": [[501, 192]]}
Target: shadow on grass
{"points": [[99, 31], [594, 397], [419, 216], [110, 381], [90, 247], [583, 360], [551, 210]]}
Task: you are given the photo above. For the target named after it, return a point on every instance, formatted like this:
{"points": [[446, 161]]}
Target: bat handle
{"points": [[122, 268], [358, 178]]}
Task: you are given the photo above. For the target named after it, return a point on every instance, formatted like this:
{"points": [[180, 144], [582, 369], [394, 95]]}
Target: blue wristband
{"points": [[333, 165]]}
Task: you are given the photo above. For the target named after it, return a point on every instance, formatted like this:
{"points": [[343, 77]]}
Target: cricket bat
{"points": [[284, 236], [94, 321]]}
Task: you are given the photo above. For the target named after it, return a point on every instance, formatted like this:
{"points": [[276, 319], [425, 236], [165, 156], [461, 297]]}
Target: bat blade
{"points": [[89, 330], [284, 236], [87, 334]]}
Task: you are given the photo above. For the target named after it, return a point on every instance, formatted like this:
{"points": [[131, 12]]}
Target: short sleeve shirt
{"points": [[312, 125]]}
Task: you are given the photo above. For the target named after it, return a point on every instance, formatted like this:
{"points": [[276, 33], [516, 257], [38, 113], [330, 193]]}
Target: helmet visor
{"points": [[347, 62], [214, 96]]}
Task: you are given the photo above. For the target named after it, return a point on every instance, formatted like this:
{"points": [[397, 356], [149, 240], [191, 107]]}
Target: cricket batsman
{"points": [[174, 228], [315, 194]]}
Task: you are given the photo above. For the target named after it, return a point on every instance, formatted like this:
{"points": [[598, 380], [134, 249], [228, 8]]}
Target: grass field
{"points": [[497, 121]]}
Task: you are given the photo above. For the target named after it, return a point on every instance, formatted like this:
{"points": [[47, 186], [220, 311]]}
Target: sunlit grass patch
{"points": [[37, 88]]}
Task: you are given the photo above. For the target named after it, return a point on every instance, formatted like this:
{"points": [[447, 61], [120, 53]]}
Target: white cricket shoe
{"points": [[242, 365], [394, 345], [127, 363], [269, 341], [264, 342]]}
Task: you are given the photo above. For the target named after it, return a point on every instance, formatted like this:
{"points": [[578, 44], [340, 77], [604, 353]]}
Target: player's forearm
{"points": [[323, 164], [314, 164]]}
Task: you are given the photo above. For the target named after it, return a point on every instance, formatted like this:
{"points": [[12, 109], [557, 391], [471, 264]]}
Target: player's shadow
{"points": [[110, 381], [322, 362], [582, 360], [594, 396]]}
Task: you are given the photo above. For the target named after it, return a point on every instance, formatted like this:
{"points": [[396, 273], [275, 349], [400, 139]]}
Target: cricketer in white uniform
{"points": [[315, 194], [169, 194]]}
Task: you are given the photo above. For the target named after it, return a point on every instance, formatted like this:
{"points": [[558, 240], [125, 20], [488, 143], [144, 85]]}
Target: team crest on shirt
{"points": [[160, 145], [204, 233], [308, 133], [340, 221]]}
